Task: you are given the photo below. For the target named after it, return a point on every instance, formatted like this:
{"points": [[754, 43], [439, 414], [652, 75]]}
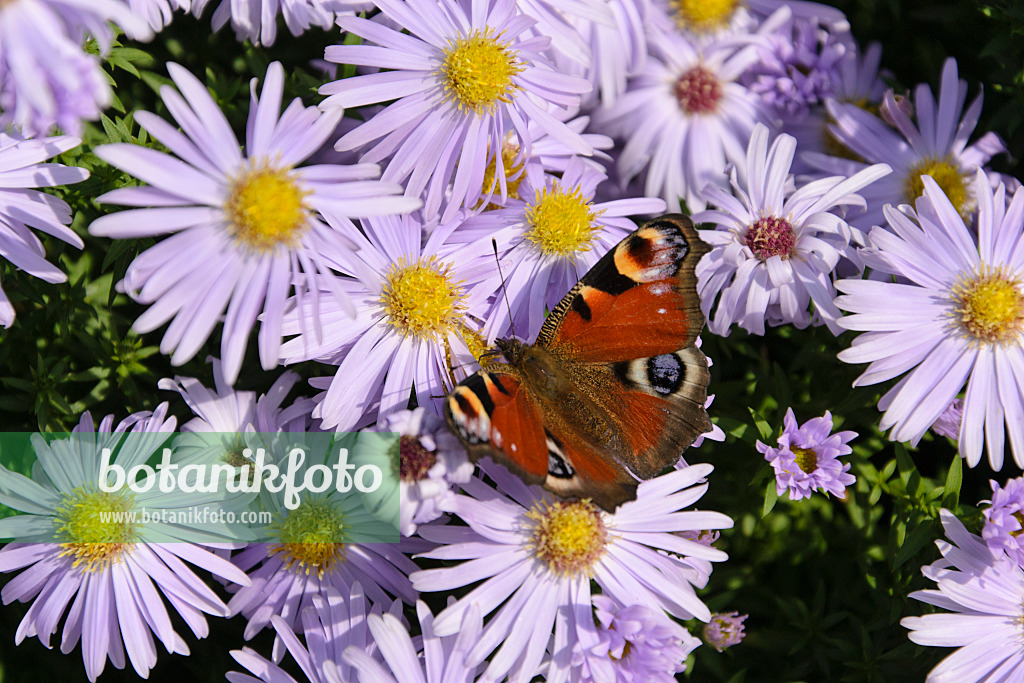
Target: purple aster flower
{"points": [[955, 316], [332, 622], [158, 13], [429, 458], [248, 229], [684, 117], [948, 423], [725, 629], [46, 79], [256, 20], [936, 145], [1004, 519], [701, 22], [115, 577], [807, 457], [535, 559], [775, 247], [21, 207], [443, 659], [547, 240], [637, 644], [983, 594], [460, 82], [414, 308]]}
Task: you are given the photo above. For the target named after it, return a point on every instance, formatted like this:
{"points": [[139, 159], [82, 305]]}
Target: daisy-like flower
{"points": [[948, 423], [724, 630], [637, 643], [983, 594], [331, 623], [443, 659], [701, 21], [412, 326], [536, 559], [460, 81], [1004, 519], [684, 117], [158, 13], [46, 79], [429, 460], [955, 316], [247, 229], [21, 207], [807, 457], [547, 240], [117, 576], [256, 20], [774, 248], [936, 146]]}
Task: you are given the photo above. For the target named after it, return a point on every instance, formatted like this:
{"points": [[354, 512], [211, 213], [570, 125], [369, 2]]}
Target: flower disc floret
{"points": [[478, 71], [568, 536], [703, 16], [946, 174], [771, 236], [265, 209], [989, 306], [699, 91], [310, 538], [420, 300], [414, 460], [561, 222], [97, 526]]}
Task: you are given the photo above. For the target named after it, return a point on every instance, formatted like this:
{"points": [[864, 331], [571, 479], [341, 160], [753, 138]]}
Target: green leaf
{"points": [[954, 480], [763, 428], [771, 496]]}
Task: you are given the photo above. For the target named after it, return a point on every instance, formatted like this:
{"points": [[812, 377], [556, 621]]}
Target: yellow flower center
{"points": [[568, 536], [97, 527], [420, 300], [312, 538], [477, 71], [513, 172], [265, 209], [989, 306], [945, 174], [561, 222], [806, 458], [703, 16]]}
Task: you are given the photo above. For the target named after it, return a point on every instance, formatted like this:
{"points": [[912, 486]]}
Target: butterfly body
{"points": [[613, 389]]}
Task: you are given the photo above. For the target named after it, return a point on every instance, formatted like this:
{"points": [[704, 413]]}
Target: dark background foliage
{"points": [[825, 582]]}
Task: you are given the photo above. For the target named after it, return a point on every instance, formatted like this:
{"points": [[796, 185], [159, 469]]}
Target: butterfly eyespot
{"points": [[665, 373]]}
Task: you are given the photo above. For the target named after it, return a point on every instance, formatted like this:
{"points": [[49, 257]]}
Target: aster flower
{"points": [[547, 240], [684, 117], [983, 594], [443, 659], [955, 316], [256, 20], [702, 22], [774, 248], [413, 322], [429, 460], [725, 629], [460, 82], [46, 79], [807, 457], [637, 644], [948, 423], [936, 145], [536, 560], [21, 207], [117, 577], [331, 623], [248, 228], [158, 13], [1003, 517]]}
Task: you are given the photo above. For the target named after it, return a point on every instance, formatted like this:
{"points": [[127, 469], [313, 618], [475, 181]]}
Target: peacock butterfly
{"points": [[614, 387]]}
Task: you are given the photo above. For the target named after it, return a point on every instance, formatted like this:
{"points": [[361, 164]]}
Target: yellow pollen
{"points": [[265, 209], [703, 16], [945, 174], [806, 459], [97, 527], [561, 223], [420, 300], [568, 536], [478, 70], [312, 538], [989, 306], [512, 167]]}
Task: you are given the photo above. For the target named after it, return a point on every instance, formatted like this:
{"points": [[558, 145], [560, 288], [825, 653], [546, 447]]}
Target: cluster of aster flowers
{"points": [[476, 160]]}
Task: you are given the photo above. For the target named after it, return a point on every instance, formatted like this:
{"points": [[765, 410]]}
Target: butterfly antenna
{"points": [[504, 291]]}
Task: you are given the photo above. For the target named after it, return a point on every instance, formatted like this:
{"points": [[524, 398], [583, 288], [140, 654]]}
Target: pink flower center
{"points": [[415, 460], [698, 91], [771, 236]]}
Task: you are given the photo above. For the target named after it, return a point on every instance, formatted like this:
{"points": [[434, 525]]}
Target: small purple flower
{"points": [[1004, 519], [724, 630], [256, 20], [948, 423], [807, 457]]}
